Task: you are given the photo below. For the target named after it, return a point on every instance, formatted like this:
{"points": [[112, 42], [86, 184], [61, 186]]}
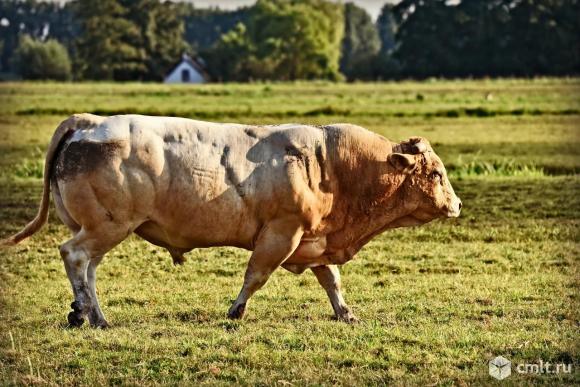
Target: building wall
{"points": [[175, 75]]}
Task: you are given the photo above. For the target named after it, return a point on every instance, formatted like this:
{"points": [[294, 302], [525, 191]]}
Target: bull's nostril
{"points": [[460, 205]]}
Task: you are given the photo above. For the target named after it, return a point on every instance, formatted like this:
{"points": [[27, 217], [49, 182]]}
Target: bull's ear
{"points": [[402, 162]]}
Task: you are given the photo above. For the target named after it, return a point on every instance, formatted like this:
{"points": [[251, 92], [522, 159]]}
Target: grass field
{"points": [[436, 302]]}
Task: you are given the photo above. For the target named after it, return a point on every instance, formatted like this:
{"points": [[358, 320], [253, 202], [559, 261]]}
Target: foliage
{"points": [[107, 46], [205, 26], [386, 66], [387, 29], [299, 39], [42, 60], [39, 19], [479, 38], [128, 39], [360, 44], [231, 58], [283, 40], [162, 33]]}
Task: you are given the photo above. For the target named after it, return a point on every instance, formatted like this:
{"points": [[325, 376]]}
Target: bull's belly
{"points": [[188, 225], [196, 233], [310, 253]]}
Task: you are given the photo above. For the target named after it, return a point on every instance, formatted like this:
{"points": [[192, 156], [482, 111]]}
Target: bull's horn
{"points": [[419, 148]]}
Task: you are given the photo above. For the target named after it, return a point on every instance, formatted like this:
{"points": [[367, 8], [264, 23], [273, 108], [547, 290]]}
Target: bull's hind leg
{"points": [[81, 255], [96, 316], [276, 243], [329, 278]]}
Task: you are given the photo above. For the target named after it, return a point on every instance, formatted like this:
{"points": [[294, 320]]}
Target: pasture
{"points": [[436, 303]]}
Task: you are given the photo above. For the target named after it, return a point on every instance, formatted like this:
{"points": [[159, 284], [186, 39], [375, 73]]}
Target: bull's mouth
{"points": [[453, 214]]}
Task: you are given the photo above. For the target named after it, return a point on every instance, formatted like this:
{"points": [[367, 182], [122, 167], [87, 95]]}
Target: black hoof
{"points": [[237, 313], [75, 320], [76, 306]]}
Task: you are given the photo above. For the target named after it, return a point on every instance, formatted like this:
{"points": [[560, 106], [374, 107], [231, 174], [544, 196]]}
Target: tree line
{"points": [[289, 39]]}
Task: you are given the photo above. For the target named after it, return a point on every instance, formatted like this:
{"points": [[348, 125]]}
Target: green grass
{"points": [[436, 302]]}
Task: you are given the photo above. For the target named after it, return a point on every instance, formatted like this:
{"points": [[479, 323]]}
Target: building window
{"points": [[185, 76]]}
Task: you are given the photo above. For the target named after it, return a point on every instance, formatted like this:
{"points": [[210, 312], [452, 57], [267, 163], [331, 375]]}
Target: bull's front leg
{"points": [[276, 242], [329, 278]]}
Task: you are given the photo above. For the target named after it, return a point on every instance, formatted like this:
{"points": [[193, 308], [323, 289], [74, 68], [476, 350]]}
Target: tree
{"points": [[204, 27], [128, 39], [360, 44], [231, 56], [301, 37], [387, 27], [42, 60], [425, 35], [161, 34], [385, 65], [545, 37], [481, 38], [108, 45], [40, 20], [283, 40]]}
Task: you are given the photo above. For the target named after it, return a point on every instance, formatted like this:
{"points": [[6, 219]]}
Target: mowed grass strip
{"points": [[436, 302], [256, 100], [512, 126]]}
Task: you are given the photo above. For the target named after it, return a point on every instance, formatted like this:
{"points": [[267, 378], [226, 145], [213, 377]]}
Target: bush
{"points": [[42, 60]]}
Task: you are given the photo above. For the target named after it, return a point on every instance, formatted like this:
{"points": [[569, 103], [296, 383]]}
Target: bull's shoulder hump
{"points": [[298, 132], [291, 127], [348, 130], [354, 133]]}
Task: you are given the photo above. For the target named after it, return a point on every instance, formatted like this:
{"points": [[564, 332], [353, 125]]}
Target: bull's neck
{"points": [[367, 191]]}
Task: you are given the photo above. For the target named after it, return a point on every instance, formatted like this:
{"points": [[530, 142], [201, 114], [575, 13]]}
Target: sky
{"points": [[373, 7]]}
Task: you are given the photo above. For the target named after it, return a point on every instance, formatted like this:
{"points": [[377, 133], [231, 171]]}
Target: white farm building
{"points": [[187, 70]]}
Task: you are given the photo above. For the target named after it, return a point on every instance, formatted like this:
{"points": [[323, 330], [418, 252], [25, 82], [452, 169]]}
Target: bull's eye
{"points": [[436, 175]]}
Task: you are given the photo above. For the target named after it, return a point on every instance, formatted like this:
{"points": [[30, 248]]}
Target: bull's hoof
{"points": [[347, 317], [236, 312], [97, 320], [101, 325], [76, 306], [75, 320]]}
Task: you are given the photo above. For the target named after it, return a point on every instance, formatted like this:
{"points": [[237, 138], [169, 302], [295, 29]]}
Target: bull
{"points": [[296, 196]]}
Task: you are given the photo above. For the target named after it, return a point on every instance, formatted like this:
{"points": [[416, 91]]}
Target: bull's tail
{"points": [[63, 130]]}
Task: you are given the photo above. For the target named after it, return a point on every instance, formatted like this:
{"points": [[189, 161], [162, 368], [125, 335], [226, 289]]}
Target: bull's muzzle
{"points": [[455, 208]]}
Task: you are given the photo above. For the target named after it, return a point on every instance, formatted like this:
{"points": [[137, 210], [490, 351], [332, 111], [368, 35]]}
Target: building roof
{"points": [[198, 64]]}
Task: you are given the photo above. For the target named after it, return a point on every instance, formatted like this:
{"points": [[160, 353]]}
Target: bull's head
{"points": [[426, 190]]}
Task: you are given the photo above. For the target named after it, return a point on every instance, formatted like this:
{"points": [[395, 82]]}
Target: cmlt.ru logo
{"points": [[500, 368]]}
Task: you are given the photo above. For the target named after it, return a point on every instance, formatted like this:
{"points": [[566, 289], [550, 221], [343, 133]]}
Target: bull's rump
{"points": [[187, 183]]}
